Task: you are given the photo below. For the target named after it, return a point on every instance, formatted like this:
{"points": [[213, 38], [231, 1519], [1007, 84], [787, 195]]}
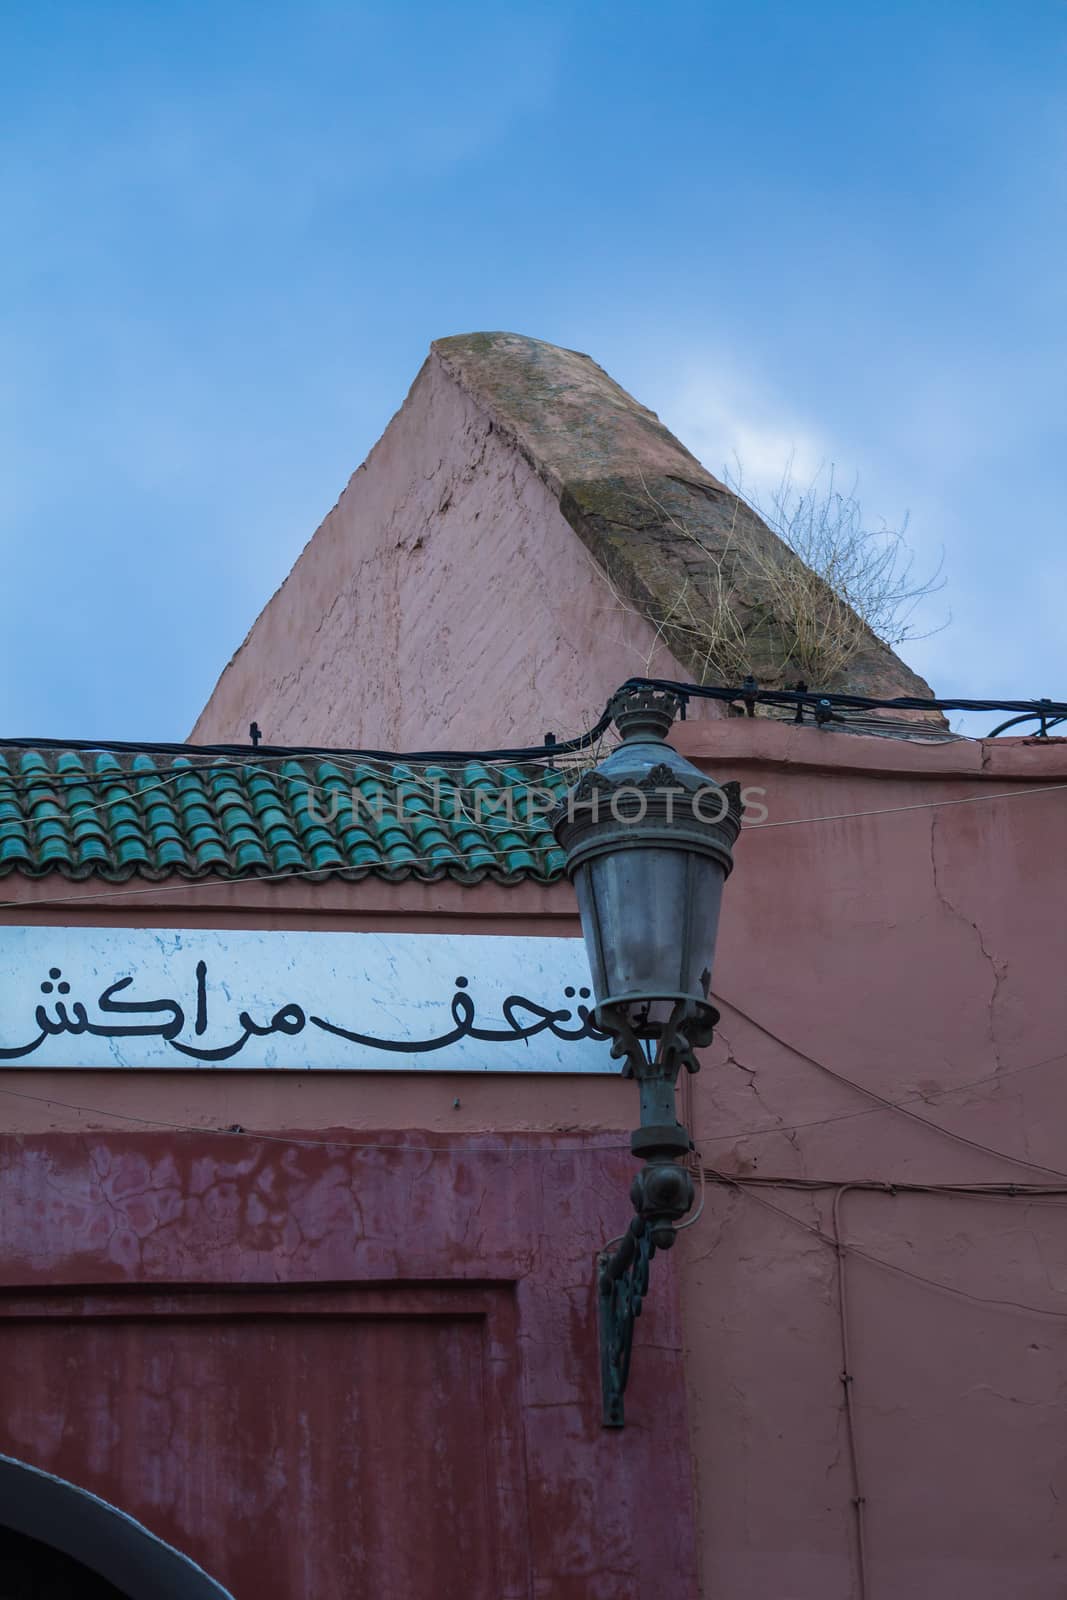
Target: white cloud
{"points": [[732, 424]]}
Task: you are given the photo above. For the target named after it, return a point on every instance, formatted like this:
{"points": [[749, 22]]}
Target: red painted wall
{"points": [[335, 1369]]}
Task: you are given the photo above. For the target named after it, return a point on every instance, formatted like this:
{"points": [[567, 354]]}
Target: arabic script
{"points": [[167, 1019]]}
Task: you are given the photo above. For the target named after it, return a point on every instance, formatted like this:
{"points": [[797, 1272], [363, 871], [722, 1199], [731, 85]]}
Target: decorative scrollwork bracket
{"points": [[662, 1193], [622, 1286]]}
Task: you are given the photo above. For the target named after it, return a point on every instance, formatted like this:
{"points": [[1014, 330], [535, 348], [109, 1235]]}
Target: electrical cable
{"points": [[171, 883], [744, 1184], [894, 1186], [580, 742], [746, 694], [816, 700], [988, 1080], [303, 1143], [891, 1105], [694, 1165], [882, 1102], [401, 869], [917, 805], [743, 1187], [859, 1499], [134, 789]]}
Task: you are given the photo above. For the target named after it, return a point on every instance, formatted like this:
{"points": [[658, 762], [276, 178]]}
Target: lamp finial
{"points": [[643, 714]]}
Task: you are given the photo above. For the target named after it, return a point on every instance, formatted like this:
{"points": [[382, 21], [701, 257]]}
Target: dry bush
{"points": [[813, 606], [869, 571]]}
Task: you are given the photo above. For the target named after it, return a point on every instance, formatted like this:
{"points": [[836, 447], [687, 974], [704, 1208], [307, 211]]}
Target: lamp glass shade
{"points": [[650, 915]]}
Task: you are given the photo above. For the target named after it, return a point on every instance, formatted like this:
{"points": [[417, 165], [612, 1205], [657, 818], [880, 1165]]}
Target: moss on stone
{"points": [[657, 522]]}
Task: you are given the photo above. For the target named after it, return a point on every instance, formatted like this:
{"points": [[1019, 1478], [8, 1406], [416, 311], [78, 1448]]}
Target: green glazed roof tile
{"points": [[91, 851], [249, 855], [15, 852], [171, 855], [107, 814]]}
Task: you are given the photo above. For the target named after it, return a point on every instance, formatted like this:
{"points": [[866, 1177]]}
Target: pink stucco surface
{"points": [[893, 1014], [404, 618], [889, 1072]]}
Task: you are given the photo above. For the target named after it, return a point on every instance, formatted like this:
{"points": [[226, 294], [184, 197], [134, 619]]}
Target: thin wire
{"points": [[859, 1500], [879, 1261], [895, 1186], [818, 699], [892, 1105], [919, 805], [882, 1102], [881, 1186], [135, 788], [690, 1222], [990, 1079], [126, 777], [389, 872], [519, 827], [238, 1132], [565, 747]]}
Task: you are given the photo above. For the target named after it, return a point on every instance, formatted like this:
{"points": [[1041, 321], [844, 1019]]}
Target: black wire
{"points": [[901, 1106], [812, 699], [248, 753], [743, 1185], [792, 699], [1028, 716]]}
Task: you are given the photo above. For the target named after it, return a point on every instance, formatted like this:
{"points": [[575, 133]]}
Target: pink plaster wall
{"points": [[404, 619], [918, 955], [875, 947]]}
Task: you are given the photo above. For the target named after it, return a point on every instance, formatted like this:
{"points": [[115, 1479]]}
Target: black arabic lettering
{"points": [[525, 1019], [75, 1020], [165, 1030], [289, 1019], [463, 1014], [200, 1025], [23, 1049]]}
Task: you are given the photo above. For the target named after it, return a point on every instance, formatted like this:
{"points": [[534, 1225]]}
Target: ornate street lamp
{"points": [[648, 844]]}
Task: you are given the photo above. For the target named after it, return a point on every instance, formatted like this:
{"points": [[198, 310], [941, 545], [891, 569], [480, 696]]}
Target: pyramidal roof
{"points": [[677, 543], [525, 537]]}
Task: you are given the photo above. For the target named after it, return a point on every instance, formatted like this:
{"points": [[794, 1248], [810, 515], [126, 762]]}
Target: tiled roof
{"points": [[101, 814]]}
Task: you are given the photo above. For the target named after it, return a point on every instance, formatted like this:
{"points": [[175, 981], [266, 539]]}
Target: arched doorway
{"points": [[30, 1570], [59, 1542]]}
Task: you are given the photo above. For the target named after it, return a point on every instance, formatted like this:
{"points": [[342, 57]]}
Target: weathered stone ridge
{"points": [[650, 514]]}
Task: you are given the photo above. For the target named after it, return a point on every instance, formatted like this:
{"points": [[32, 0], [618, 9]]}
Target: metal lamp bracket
{"points": [[662, 1193]]}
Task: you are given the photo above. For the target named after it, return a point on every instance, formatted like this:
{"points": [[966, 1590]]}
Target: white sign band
{"points": [[181, 998]]}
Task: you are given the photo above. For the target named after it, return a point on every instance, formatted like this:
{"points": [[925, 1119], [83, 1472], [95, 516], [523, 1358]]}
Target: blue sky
{"points": [[230, 232]]}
